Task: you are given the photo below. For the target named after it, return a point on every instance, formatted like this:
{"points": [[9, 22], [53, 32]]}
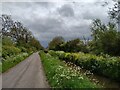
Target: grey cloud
{"points": [[47, 19], [46, 25], [81, 29], [95, 12], [44, 4], [90, 15], [66, 11]]}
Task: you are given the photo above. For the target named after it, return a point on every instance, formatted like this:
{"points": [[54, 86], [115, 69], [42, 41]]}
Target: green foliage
{"points": [[114, 12], [7, 41], [106, 39], [0, 47], [16, 39], [56, 42], [36, 44], [8, 47], [12, 61], [23, 49], [15, 33], [9, 51], [74, 45], [61, 76], [106, 66], [0, 67]]}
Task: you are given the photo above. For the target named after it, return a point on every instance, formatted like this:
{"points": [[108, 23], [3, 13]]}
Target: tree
{"points": [[36, 44], [74, 45], [19, 34], [8, 47], [7, 24], [56, 42], [15, 30], [7, 41], [105, 38], [114, 13]]}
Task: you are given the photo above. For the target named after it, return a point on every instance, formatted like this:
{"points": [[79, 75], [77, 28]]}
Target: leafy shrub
{"points": [[23, 49], [9, 50], [52, 53], [61, 76], [12, 61], [106, 66]]}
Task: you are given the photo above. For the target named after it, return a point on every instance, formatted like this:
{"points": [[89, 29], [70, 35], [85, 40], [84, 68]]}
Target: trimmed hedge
{"points": [[106, 66]]}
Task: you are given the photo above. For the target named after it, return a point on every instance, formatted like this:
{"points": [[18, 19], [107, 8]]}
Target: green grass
{"points": [[102, 65], [12, 61], [0, 67], [60, 75]]}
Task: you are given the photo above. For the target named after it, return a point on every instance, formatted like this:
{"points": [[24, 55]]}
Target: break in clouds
{"points": [[49, 19]]}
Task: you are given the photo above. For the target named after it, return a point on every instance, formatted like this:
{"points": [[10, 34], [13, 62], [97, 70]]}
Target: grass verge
{"points": [[102, 65], [12, 61], [59, 75]]}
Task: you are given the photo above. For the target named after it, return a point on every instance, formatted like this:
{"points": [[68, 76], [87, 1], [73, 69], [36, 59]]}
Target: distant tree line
{"points": [[106, 38], [75, 45]]}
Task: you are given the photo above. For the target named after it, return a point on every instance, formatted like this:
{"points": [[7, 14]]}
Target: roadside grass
{"points": [[106, 65], [0, 67], [59, 75], [12, 61]]}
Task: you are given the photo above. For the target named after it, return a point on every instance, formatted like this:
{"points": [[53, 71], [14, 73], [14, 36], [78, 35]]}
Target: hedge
{"points": [[106, 66], [9, 51]]}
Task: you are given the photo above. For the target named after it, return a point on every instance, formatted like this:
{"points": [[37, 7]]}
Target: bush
{"points": [[106, 66], [12, 61], [23, 49], [59, 75], [9, 50]]}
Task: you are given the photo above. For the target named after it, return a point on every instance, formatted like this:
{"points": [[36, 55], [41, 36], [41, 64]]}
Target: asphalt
{"points": [[27, 74]]}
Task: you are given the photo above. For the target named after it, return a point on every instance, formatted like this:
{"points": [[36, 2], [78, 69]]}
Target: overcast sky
{"points": [[58, 18]]}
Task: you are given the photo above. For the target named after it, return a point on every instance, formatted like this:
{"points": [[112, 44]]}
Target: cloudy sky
{"points": [[47, 19]]}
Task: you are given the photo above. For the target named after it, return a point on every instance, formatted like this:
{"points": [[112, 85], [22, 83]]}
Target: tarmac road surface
{"points": [[27, 74]]}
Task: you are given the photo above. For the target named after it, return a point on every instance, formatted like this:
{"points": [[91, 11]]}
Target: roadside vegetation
{"points": [[100, 55], [12, 61], [17, 43], [60, 75], [106, 66], [105, 37]]}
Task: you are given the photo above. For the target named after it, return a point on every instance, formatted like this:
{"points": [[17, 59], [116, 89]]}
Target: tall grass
{"points": [[102, 65], [12, 61], [59, 75]]}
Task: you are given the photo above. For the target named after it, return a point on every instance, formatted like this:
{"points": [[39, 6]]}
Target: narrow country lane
{"points": [[27, 74]]}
